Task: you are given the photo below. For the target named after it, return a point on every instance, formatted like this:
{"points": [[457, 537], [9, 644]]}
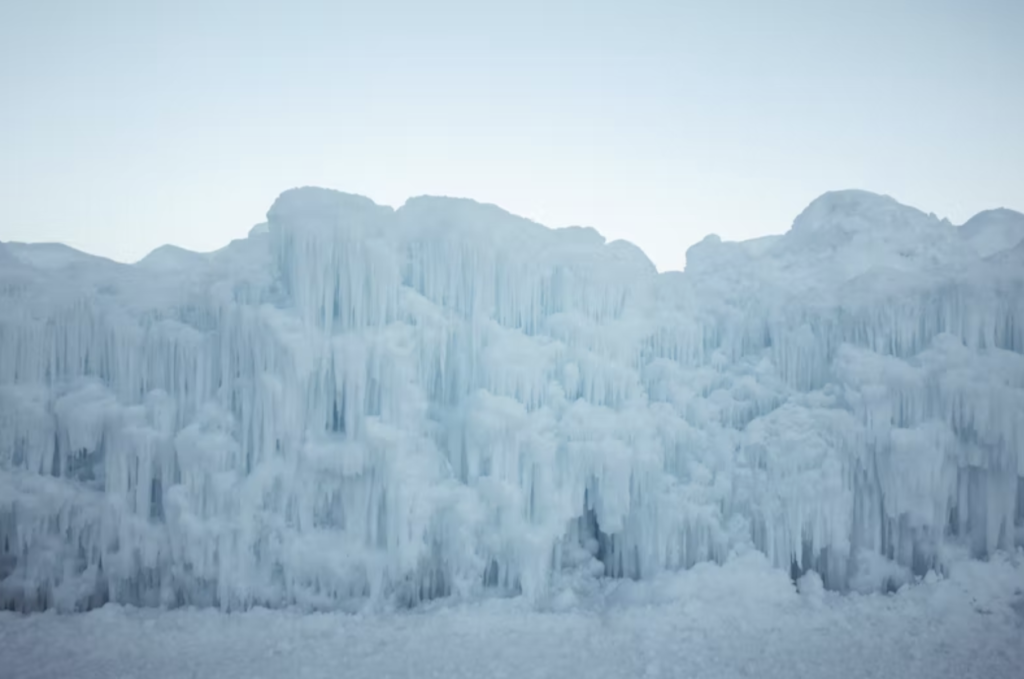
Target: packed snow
{"points": [[741, 620], [357, 408]]}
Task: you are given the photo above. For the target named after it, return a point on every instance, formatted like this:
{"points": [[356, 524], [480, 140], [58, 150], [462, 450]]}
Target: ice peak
{"points": [[993, 231], [1001, 214], [855, 210], [313, 206], [464, 214], [50, 255], [170, 257], [6, 258]]}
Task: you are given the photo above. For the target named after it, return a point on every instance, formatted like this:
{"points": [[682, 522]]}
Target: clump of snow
{"points": [[367, 407], [872, 572], [811, 586]]}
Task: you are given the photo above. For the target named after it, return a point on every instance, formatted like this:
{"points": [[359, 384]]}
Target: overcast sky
{"points": [[126, 124]]}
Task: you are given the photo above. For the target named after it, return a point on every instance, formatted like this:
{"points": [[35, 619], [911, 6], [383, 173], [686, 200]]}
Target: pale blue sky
{"points": [[126, 124]]}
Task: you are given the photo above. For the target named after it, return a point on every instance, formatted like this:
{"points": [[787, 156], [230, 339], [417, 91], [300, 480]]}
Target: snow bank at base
{"points": [[740, 620], [357, 405]]}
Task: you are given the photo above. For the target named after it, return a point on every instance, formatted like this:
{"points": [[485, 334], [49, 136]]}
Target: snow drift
{"points": [[356, 405]]}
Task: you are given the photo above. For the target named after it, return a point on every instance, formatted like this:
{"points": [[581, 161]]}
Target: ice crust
{"points": [[357, 405]]}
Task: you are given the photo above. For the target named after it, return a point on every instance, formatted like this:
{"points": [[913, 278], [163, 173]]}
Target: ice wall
{"points": [[356, 405]]}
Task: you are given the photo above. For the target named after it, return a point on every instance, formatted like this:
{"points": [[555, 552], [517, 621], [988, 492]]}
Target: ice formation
{"points": [[359, 405]]}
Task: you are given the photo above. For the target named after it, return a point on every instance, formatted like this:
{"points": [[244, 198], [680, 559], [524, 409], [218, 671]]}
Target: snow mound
{"points": [[993, 231], [365, 406], [50, 255], [733, 622], [170, 258], [851, 211]]}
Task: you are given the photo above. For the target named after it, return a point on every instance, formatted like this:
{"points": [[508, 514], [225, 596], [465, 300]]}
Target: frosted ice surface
{"points": [[358, 405]]}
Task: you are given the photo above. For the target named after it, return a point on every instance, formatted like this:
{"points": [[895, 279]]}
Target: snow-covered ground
{"points": [[740, 620]]}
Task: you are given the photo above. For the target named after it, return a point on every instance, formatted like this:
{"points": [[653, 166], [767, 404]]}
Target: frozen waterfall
{"points": [[357, 405]]}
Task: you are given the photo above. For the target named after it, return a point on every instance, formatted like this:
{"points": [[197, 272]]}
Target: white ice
{"points": [[364, 407]]}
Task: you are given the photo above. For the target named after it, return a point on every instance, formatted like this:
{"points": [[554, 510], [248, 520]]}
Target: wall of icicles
{"points": [[356, 405]]}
